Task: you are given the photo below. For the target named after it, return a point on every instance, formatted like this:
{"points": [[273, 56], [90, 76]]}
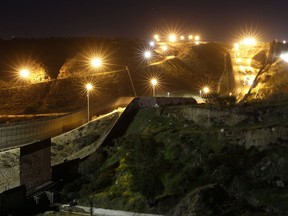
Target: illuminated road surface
{"points": [[160, 62]]}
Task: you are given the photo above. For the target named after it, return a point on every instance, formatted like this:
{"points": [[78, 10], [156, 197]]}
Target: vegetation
{"points": [[164, 160]]}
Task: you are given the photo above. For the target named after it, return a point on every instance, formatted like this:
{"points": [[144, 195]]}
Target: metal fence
{"points": [[14, 135]]}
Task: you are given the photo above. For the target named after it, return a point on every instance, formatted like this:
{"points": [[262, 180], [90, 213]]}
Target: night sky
{"points": [[214, 20]]}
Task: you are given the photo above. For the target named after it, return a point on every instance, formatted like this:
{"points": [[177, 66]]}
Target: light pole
{"points": [[131, 81], [153, 83], [128, 71], [89, 87]]}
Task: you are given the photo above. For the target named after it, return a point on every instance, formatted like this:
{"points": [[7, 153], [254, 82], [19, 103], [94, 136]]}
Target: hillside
{"points": [[65, 63], [62, 68], [271, 84], [183, 160]]}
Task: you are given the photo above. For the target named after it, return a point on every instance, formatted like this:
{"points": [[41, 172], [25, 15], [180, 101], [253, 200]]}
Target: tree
{"points": [[144, 161]]}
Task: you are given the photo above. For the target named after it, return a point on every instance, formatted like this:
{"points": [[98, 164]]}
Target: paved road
{"points": [[108, 212], [160, 62]]}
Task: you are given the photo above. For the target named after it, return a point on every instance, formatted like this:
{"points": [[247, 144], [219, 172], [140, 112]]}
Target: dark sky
{"points": [[215, 20]]}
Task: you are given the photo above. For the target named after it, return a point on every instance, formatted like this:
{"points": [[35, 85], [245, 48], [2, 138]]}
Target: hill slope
{"points": [[183, 160], [192, 67]]}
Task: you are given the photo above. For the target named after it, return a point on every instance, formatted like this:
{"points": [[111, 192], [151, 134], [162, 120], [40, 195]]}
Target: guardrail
{"points": [[13, 135]]}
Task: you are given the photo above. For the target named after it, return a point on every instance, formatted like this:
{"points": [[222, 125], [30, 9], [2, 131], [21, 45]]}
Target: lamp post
{"points": [[89, 87], [125, 68], [131, 81], [153, 83]]}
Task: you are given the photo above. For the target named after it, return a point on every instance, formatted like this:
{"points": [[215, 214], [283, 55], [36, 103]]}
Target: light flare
{"points": [[156, 37], [284, 57], [147, 54], [164, 48], [96, 62], [153, 82], [172, 38], [249, 41], [24, 73], [152, 43], [206, 90], [89, 87]]}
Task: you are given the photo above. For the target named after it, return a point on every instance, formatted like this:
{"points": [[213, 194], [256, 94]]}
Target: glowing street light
{"points": [[156, 37], [238, 60], [152, 43], [250, 82], [172, 38], [284, 57], [153, 82], [89, 87], [147, 54], [206, 90], [164, 48], [96, 62], [249, 41], [190, 37], [197, 38], [24, 73]]}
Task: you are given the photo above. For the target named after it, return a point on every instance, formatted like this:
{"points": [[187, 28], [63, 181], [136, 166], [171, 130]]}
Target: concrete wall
{"points": [[161, 101], [259, 131], [208, 117]]}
